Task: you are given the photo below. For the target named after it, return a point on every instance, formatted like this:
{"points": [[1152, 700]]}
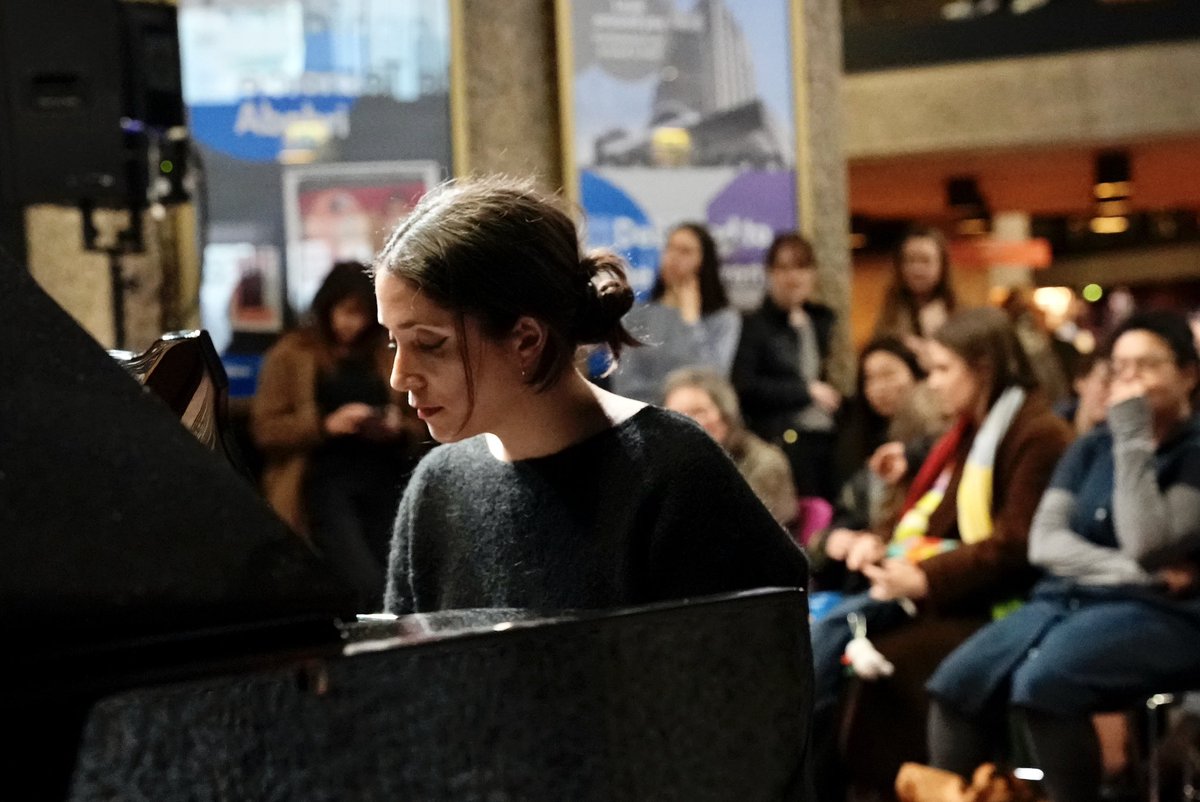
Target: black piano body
{"points": [[168, 638]]}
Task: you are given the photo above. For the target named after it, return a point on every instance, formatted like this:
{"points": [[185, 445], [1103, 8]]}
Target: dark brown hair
{"points": [[987, 342], [899, 297], [861, 429], [497, 249], [788, 238], [712, 292], [1169, 326], [346, 280]]}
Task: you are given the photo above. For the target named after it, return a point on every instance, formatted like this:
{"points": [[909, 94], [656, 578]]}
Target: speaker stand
{"points": [[128, 240]]}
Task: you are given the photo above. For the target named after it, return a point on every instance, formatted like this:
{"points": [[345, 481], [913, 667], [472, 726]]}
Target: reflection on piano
{"points": [[167, 636], [183, 369]]}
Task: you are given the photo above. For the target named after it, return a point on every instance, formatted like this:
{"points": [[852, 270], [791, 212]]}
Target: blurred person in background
{"points": [[1116, 617], [954, 557], [892, 404], [337, 442], [921, 296], [1053, 360], [780, 368], [688, 321], [710, 400], [1088, 405]]}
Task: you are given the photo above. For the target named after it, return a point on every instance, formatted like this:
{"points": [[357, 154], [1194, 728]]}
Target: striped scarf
{"points": [[974, 498]]}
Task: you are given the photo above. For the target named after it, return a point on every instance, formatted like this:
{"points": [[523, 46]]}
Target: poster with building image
{"points": [[681, 110]]}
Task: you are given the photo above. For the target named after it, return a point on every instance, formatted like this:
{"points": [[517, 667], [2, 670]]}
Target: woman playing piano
{"points": [[549, 492]]}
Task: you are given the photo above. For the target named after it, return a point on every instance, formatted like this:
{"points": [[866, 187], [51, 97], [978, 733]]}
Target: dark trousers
{"points": [[350, 516], [1064, 747], [830, 636], [811, 456]]}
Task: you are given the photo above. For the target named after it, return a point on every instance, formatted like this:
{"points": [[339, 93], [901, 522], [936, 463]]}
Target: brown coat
{"points": [[286, 422], [884, 721]]}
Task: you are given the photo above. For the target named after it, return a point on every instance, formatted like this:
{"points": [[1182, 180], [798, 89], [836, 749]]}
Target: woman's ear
{"points": [[528, 339]]}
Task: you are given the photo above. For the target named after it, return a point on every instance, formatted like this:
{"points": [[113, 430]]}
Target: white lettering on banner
{"points": [[738, 233], [629, 234], [263, 119]]}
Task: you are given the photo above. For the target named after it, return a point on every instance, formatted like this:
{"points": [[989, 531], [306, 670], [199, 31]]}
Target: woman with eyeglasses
{"points": [[1116, 617]]}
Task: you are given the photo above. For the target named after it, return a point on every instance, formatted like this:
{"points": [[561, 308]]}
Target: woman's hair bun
{"points": [[607, 297]]}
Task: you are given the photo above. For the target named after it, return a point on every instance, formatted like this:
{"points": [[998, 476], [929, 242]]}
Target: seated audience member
{"points": [[549, 492], [1116, 617], [709, 400], [957, 552], [1053, 360], [921, 296], [336, 441], [1088, 405], [892, 404], [688, 321], [779, 370]]}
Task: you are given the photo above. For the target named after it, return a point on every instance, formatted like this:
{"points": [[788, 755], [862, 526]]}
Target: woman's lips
{"points": [[425, 413]]}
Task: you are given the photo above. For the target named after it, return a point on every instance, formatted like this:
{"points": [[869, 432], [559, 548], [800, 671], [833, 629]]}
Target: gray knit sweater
{"points": [[648, 510]]}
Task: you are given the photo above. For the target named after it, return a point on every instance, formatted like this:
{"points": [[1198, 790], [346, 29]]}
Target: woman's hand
{"points": [[825, 396], [1180, 579], [868, 549], [1120, 389], [348, 418], [889, 463], [387, 425], [837, 545], [897, 579]]}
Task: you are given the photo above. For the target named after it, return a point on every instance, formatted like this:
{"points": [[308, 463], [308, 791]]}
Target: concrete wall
{"points": [[1108, 96]]}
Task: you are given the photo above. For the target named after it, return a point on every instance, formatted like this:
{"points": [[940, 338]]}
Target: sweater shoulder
{"points": [[670, 448], [449, 458]]}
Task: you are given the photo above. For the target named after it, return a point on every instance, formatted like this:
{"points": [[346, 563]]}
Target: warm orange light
{"points": [[1113, 189], [1109, 225]]}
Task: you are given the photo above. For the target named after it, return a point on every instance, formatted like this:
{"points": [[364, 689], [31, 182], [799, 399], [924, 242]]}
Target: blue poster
{"points": [[682, 110]]}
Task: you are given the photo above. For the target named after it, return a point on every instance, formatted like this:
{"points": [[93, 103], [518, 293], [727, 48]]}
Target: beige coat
{"points": [[287, 424]]}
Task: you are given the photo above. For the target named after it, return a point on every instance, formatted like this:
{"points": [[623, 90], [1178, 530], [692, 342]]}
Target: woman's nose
{"points": [[403, 378]]}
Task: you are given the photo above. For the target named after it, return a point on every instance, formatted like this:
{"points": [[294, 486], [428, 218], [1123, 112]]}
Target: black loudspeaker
{"points": [[86, 86]]}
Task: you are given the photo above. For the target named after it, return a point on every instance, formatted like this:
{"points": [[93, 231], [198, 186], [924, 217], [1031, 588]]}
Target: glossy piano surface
{"points": [[706, 700]]}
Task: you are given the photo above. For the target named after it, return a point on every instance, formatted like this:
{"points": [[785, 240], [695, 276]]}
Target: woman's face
{"points": [[957, 387], [792, 277], [1145, 358], [887, 381], [1092, 389], [348, 319], [428, 364], [698, 405], [681, 258], [920, 265]]}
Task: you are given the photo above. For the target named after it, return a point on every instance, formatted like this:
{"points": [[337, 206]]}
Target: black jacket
{"points": [[766, 369]]}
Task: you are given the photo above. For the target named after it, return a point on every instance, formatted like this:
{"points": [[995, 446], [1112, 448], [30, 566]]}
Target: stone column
{"points": [[505, 89], [820, 165], [1010, 227]]}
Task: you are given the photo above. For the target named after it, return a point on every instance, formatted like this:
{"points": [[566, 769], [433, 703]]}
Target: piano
{"points": [[167, 637]]}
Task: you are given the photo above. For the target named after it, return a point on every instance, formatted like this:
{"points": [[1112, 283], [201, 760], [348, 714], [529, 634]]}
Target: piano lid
{"points": [[115, 521]]}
